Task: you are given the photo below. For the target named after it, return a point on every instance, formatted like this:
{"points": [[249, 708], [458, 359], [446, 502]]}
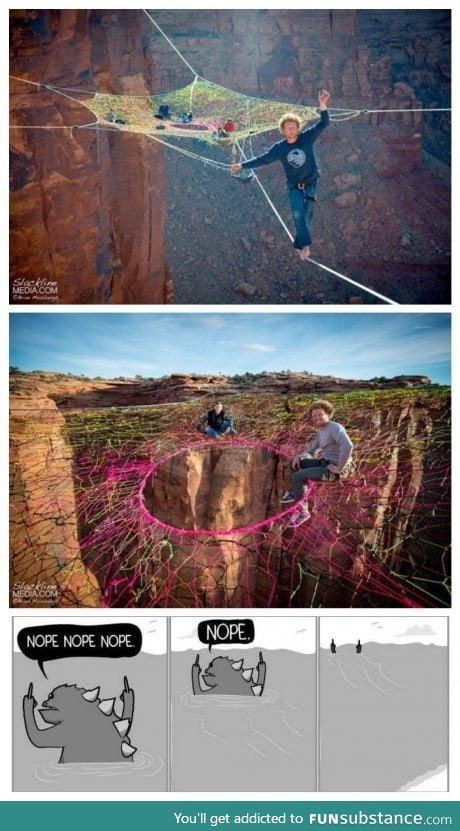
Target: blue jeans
{"points": [[302, 203], [309, 469], [226, 425]]}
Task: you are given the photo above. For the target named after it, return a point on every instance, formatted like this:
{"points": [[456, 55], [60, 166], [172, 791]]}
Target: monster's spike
{"points": [[122, 726], [237, 665], [106, 705], [127, 750], [255, 675], [257, 690], [247, 674], [91, 695]]}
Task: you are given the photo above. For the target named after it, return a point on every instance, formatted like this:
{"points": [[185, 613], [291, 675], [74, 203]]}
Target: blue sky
{"points": [[347, 345]]}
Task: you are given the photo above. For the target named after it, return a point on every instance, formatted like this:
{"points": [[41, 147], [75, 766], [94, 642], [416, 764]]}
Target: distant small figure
{"points": [[185, 118], [114, 119], [333, 647], [359, 647], [163, 112], [216, 423], [229, 125], [221, 133]]}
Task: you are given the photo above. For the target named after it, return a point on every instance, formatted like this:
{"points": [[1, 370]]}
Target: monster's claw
{"points": [[197, 661], [29, 700], [125, 681], [261, 660]]}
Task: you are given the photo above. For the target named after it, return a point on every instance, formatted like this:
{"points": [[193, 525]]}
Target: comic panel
{"points": [[383, 704], [244, 704], [89, 704]]}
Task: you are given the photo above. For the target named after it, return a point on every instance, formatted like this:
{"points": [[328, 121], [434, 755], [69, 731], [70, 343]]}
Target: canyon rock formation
{"points": [[106, 501], [87, 208]]}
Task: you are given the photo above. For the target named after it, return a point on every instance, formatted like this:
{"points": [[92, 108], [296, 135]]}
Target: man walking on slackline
{"points": [[295, 152]]}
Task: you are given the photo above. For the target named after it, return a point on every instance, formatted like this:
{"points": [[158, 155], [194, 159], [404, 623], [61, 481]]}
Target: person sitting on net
{"points": [[229, 126], [326, 459], [163, 112], [185, 118], [216, 423]]}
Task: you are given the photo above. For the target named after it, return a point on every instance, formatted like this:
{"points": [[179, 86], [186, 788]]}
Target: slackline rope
{"points": [[320, 265], [169, 41]]}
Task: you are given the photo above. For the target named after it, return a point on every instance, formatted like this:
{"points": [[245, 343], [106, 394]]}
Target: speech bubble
{"points": [[52, 642], [214, 632]]}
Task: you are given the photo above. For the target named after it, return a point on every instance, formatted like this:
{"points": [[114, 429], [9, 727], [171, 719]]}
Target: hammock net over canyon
{"points": [[211, 106], [159, 516]]}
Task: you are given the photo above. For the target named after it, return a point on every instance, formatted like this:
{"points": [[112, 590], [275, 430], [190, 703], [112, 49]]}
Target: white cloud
{"points": [[249, 347], [416, 631]]}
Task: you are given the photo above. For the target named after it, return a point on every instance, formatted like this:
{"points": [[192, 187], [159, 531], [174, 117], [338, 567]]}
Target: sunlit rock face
{"points": [[87, 217], [216, 488], [46, 568]]}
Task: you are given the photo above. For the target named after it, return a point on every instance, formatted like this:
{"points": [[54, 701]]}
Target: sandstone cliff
{"points": [[87, 208], [32, 389]]}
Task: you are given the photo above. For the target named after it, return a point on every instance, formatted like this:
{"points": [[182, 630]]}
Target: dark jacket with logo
{"points": [[298, 158]]}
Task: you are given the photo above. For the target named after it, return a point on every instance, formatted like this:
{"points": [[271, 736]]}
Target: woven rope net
{"points": [[380, 538]]}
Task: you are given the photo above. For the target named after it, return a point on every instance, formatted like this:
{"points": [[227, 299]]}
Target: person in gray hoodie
{"points": [[329, 457]]}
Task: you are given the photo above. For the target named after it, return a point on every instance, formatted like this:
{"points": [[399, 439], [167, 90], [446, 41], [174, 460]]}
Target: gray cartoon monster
{"points": [[85, 727], [225, 676]]}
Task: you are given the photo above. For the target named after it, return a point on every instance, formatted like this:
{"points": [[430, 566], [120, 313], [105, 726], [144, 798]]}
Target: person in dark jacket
{"points": [[295, 152], [216, 423]]}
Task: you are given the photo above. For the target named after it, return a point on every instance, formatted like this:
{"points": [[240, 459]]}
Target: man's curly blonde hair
{"points": [[289, 117], [322, 404]]}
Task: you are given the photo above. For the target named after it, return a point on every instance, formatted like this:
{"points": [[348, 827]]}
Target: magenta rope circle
{"points": [[246, 529]]}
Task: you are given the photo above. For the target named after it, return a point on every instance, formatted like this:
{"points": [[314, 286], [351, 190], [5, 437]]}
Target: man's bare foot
{"points": [[304, 253]]}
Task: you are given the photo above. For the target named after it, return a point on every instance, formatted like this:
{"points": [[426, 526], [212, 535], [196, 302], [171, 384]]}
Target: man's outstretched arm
{"points": [[323, 98], [258, 161], [313, 132]]}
